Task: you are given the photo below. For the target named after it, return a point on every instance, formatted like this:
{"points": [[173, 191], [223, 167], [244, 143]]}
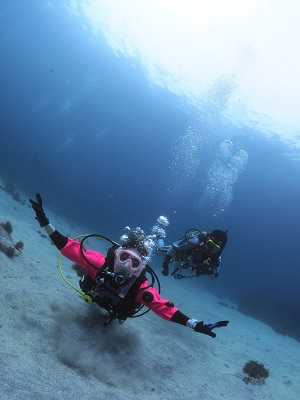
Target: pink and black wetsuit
{"points": [[149, 296]]}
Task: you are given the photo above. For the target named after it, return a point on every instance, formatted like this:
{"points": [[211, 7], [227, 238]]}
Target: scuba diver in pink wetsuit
{"points": [[118, 281]]}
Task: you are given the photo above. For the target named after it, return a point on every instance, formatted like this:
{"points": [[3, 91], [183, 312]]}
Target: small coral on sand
{"points": [[8, 250], [10, 189], [7, 226], [6, 242], [19, 245], [257, 373]]}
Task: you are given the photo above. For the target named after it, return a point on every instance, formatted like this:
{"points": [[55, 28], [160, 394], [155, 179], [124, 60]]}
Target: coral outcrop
{"points": [[257, 373], [7, 245], [10, 189]]}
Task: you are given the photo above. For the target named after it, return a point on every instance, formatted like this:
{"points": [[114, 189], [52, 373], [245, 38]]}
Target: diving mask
{"points": [[212, 246], [128, 262]]}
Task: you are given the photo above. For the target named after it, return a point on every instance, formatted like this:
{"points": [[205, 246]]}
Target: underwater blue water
{"points": [[107, 149]]}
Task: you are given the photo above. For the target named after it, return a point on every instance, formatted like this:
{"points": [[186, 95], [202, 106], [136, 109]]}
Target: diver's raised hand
{"points": [[39, 211], [206, 329]]}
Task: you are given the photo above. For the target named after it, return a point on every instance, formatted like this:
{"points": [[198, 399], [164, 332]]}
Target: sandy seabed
{"points": [[53, 345]]}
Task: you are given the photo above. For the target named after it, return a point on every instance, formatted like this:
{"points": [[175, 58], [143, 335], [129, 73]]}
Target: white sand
{"points": [[54, 345]]}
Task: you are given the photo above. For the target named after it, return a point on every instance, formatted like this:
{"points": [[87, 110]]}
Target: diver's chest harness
{"points": [[195, 259], [111, 291], [115, 295]]}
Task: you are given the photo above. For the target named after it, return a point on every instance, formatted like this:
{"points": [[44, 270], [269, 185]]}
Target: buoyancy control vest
{"points": [[197, 259], [117, 299]]}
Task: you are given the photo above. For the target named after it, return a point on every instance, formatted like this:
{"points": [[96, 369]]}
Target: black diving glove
{"points": [[38, 208], [165, 266], [206, 329]]}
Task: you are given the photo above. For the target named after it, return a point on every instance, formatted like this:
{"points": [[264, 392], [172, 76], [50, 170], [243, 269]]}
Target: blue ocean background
{"points": [[106, 148]]}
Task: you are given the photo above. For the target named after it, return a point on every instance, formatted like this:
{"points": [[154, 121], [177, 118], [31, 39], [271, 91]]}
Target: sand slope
{"points": [[53, 346]]}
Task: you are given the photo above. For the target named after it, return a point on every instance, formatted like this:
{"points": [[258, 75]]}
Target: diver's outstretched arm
{"points": [[196, 325], [165, 309], [57, 238], [92, 262]]}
